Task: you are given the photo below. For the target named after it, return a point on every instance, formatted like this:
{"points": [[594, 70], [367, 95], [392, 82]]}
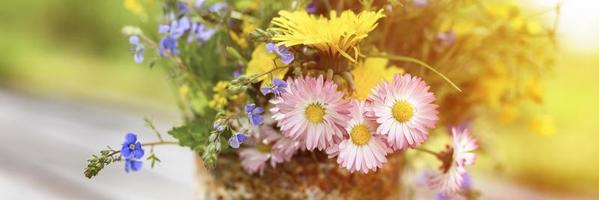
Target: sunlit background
{"points": [[63, 60]]}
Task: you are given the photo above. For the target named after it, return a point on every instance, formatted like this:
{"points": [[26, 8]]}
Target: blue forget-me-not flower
{"points": [[286, 55], [254, 114]]}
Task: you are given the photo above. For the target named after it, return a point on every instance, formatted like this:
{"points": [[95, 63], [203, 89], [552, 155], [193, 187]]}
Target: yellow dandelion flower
{"points": [[262, 62], [333, 36], [369, 73]]}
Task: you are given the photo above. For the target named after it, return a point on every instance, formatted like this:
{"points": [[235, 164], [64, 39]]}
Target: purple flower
{"points": [[218, 7], [286, 55], [237, 139], [446, 38], [182, 8], [278, 87], [238, 71], [199, 4], [311, 7], [254, 112], [131, 147], [168, 46], [200, 33], [176, 28], [137, 48], [132, 164]]}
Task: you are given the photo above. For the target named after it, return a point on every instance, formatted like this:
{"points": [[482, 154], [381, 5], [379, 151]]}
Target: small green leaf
{"points": [[153, 160]]}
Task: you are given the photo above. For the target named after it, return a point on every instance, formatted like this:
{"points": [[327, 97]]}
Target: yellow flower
{"points": [[337, 35], [248, 25], [135, 7], [508, 113], [542, 124], [369, 73], [262, 62], [534, 91], [219, 99]]}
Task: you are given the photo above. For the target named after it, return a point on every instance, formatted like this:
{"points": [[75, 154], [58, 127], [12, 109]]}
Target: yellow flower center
{"points": [[402, 111], [315, 113], [264, 148], [360, 135]]}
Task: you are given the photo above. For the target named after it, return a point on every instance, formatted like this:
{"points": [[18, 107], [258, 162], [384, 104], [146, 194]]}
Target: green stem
{"points": [[427, 151], [151, 144], [159, 143], [414, 60]]}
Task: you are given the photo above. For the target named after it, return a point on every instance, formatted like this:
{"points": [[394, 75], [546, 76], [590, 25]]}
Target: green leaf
{"points": [[194, 133], [153, 160]]}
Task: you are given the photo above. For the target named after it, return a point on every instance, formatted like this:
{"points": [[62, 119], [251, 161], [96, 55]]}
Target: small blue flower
{"points": [[237, 139], [132, 164], [131, 147], [311, 7], [200, 33], [278, 87], [176, 28], [168, 46], [182, 8], [286, 55], [137, 48], [254, 112], [218, 7]]}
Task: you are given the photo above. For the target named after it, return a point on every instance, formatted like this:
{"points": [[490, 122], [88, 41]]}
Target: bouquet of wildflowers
{"points": [[323, 99]]}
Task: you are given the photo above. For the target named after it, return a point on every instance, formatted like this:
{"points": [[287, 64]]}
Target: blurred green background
{"points": [[74, 49]]}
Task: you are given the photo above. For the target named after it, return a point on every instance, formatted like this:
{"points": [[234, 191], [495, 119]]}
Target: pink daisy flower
{"points": [[455, 159], [268, 145], [312, 112], [404, 110], [362, 151]]}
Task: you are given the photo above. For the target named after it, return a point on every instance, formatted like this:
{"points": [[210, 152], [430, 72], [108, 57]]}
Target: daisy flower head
{"points": [[266, 147], [454, 177], [463, 145], [404, 110], [312, 112], [336, 35], [363, 150]]}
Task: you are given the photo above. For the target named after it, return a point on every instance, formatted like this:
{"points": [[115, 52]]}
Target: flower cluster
{"points": [[267, 82]]}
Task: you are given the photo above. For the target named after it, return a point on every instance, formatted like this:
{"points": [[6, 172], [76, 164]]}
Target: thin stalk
{"points": [[151, 144], [427, 151], [416, 61]]}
